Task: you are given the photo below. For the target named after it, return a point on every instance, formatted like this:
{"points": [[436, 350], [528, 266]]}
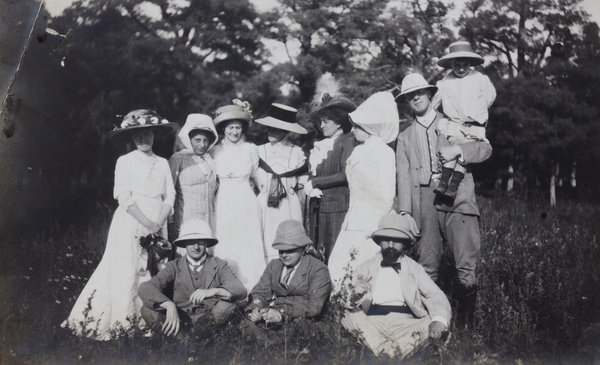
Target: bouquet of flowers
{"points": [[158, 249]]}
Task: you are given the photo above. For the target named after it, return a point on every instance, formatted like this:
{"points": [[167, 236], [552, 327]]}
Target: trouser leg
{"points": [[463, 236], [429, 246]]}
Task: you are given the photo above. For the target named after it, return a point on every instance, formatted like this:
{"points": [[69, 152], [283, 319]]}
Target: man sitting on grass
{"points": [[296, 285], [394, 305], [204, 289]]}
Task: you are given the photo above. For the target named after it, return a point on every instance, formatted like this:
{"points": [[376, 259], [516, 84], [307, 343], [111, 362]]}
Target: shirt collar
{"points": [[192, 262], [427, 119]]}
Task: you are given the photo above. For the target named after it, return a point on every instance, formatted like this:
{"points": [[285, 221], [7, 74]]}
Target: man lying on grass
{"points": [[204, 289], [394, 305]]}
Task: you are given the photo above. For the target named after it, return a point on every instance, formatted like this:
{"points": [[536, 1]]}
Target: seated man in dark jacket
{"points": [[296, 285], [204, 289]]}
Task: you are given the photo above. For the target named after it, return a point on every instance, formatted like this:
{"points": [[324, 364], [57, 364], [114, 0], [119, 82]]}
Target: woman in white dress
{"points": [[371, 174], [278, 198], [237, 212], [109, 305]]}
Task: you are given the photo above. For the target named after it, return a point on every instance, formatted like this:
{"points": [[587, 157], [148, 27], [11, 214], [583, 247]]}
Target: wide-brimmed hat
{"points": [[200, 122], [414, 82], [282, 117], [239, 110], [142, 119], [195, 229], [290, 235], [460, 49], [378, 115], [395, 225], [328, 95]]}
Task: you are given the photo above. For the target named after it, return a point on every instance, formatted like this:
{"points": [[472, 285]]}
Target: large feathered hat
{"points": [[328, 96]]}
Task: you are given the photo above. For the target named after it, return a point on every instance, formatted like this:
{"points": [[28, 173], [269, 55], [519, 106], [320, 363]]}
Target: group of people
{"points": [[234, 213]]}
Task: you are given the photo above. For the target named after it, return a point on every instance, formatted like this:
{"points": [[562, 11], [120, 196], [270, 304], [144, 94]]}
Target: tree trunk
{"points": [[555, 167], [511, 180]]}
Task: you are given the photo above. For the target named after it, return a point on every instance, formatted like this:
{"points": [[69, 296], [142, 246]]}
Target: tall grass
{"points": [[539, 299]]}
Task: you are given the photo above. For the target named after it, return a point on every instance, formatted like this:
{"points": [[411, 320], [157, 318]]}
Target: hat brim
{"points": [[289, 246], [165, 130], [446, 61], [417, 88], [181, 241], [344, 104], [279, 124], [390, 233], [231, 115]]}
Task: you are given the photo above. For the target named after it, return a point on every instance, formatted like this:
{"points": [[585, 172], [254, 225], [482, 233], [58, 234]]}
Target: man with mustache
{"points": [[394, 305]]}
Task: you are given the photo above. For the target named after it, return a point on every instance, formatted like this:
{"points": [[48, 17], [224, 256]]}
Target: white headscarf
{"points": [[197, 121], [378, 116]]}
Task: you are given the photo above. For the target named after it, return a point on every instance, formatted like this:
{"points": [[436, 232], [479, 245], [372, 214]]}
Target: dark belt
{"points": [[380, 310]]}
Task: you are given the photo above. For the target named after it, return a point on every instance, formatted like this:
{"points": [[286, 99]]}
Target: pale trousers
{"points": [[394, 334]]}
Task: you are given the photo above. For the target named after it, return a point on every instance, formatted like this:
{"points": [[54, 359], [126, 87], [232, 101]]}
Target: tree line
{"points": [[103, 58]]}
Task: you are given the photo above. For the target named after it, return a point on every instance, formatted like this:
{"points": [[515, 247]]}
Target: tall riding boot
{"points": [[465, 309]]}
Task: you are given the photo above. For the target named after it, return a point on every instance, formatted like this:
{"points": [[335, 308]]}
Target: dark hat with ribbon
{"points": [[282, 117]]}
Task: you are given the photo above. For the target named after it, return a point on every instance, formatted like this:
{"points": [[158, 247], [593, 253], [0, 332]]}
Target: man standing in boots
{"points": [[454, 220]]}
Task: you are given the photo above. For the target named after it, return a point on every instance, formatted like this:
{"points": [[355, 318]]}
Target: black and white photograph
{"points": [[300, 182]]}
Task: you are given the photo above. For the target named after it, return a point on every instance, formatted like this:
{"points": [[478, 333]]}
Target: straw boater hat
{"points": [[237, 111], [460, 49], [200, 122], [195, 229], [290, 235], [142, 119], [282, 117], [414, 82], [395, 225]]}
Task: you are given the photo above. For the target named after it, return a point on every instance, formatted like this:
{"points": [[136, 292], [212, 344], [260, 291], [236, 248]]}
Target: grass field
{"points": [[539, 299]]}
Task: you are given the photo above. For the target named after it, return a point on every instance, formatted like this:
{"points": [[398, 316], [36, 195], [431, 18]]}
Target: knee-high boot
{"points": [[465, 310]]}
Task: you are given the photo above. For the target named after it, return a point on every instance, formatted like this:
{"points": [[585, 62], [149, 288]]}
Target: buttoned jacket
{"points": [[409, 165], [331, 176], [175, 283], [305, 294]]}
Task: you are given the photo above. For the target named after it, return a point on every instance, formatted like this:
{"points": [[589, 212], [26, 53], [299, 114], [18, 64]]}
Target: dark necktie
{"points": [[396, 266], [286, 278], [195, 267]]}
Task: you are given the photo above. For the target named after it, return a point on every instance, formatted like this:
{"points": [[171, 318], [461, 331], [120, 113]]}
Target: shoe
{"points": [[441, 188], [451, 191]]}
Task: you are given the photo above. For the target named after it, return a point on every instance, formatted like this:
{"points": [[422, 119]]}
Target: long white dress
{"points": [[282, 156], [237, 212], [109, 301], [371, 174]]}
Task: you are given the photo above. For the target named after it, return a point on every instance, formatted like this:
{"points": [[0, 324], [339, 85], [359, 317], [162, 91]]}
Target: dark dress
{"points": [[327, 214]]}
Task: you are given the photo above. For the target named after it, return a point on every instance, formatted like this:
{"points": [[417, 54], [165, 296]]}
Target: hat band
{"points": [[287, 116], [464, 47]]}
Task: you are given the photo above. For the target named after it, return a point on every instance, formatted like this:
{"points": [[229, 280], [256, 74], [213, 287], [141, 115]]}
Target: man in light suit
{"points": [[193, 293], [438, 218], [394, 305], [296, 285]]}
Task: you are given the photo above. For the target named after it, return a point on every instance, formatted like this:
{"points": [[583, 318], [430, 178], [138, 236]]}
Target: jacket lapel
{"points": [[184, 273], [298, 276], [210, 271]]}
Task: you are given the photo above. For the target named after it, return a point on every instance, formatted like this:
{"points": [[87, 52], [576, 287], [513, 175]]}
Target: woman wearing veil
{"points": [[371, 174]]}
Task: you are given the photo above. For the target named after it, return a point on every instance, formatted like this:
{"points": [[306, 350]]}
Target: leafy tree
{"points": [[537, 121], [123, 55]]}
